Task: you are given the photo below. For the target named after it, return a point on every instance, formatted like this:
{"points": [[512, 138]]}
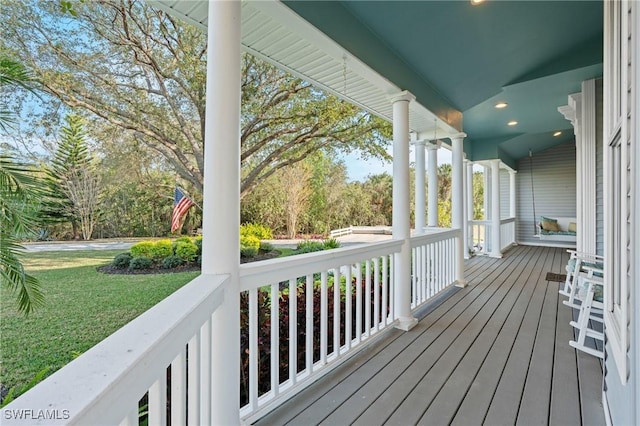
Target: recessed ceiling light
{"points": [[475, 2], [558, 133], [501, 105], [512, 123]]}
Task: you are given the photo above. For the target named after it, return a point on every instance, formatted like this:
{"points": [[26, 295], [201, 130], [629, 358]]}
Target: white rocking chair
{"points": [[578, 264], [591, 291]]}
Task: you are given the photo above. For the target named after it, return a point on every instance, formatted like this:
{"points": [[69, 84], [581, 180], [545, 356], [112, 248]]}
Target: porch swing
{"points": [[551, 229]]}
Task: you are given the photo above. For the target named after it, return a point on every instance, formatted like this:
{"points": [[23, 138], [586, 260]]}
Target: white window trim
{"points": [[617, 128]]}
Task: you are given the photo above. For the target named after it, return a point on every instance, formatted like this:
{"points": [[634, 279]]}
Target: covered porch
{"points": [[495, 352], [492, 341]]}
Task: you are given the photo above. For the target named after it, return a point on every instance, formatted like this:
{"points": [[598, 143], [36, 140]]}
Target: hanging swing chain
{"points": [[344, 75], [533, 195]]}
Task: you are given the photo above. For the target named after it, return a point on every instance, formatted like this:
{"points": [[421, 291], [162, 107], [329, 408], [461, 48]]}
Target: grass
{"points": [[83, 306]]}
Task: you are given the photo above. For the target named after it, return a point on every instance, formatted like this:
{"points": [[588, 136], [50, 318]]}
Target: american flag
{"points": [[181, 204]]}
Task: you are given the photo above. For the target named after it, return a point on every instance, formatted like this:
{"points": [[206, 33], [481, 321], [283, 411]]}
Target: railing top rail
{"points": [[257, 274], [507, 220], [480, 222], [104, 381], [440, 235]]}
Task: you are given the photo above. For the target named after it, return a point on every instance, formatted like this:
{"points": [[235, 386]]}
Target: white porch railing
{"points": [[106, 384], [433, 258], [480, 232], [507, 233], [340, 232], [159, 365], [340, 298]]}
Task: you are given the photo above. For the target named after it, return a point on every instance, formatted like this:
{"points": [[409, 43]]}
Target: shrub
{"points": [[187, 251], [140, 262], [122, 260], [254, 229], [142, 249], [266, 247], [183, 239], [249, 241], [309, 246], [179, 240], [171, 262], [331, 243], [198, 242], [248, 251], [161, 249]]}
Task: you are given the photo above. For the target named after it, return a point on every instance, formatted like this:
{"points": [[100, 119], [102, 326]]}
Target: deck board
{"points": [[495, 352], [565, 400]]}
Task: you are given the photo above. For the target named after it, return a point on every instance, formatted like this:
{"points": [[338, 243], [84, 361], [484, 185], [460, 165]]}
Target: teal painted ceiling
{"points": [[452, 54]]}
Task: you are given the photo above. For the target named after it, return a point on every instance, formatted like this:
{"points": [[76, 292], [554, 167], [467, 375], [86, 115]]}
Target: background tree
{"points": [[73, 180], [19, 195], [296, 179], [143, 71]]}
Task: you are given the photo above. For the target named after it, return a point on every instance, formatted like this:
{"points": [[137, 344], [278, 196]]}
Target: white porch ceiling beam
{"points": [[276, 34]]}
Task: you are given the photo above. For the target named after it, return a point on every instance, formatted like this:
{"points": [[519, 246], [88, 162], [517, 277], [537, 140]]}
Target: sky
{"points": [[358, 169]]}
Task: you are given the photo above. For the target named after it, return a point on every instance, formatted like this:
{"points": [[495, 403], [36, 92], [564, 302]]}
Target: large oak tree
{"points": [[144, 71]]}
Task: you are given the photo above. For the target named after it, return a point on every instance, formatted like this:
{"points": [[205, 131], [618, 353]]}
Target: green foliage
{"points": [[161, 249], [171, 262], [309, 246], [331, 243], [19, 194], [143, 249], [81, 316], [187, 251], [247, 251], [122, 260], [266, 247], [140, 262], [13, 392], [255, 229], [250, 241], [73, 181], [198, 242]]}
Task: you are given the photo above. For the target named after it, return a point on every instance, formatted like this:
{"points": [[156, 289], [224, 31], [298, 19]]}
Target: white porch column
{"points": [[420, 186], [512, 193], [486, 175], [220, 226], [581, 112], [432, 149], [401, 225], [457, 201], [469, 213], [495, 209]]}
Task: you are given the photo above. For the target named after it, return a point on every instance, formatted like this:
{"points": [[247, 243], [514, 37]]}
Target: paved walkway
{"points": [[345, 241]]}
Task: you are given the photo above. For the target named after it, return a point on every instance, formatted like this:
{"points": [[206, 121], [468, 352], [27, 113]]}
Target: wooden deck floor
{"points": [[494, 353]]}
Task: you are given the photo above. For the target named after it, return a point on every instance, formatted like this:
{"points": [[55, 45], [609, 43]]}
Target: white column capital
{"points": [[434, 145], [405, 96], [458, 136], [421, 142]]}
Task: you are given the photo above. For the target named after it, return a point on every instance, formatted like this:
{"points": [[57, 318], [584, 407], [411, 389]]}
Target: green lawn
{"points": [[83, 306]]}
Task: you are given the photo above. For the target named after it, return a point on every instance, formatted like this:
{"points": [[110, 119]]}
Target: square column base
{"points": [[461, 283], [406, 323]]}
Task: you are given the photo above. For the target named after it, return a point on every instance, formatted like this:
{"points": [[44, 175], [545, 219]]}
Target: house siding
{"points": [[504, 194], [599, 171], [554, 185], [622, 399]]}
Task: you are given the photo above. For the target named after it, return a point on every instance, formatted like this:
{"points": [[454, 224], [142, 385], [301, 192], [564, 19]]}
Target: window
{"points": [[618, 128]]}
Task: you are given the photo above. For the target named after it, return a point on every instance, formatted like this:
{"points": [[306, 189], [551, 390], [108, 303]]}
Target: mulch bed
{"points": [[192, 267]]}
